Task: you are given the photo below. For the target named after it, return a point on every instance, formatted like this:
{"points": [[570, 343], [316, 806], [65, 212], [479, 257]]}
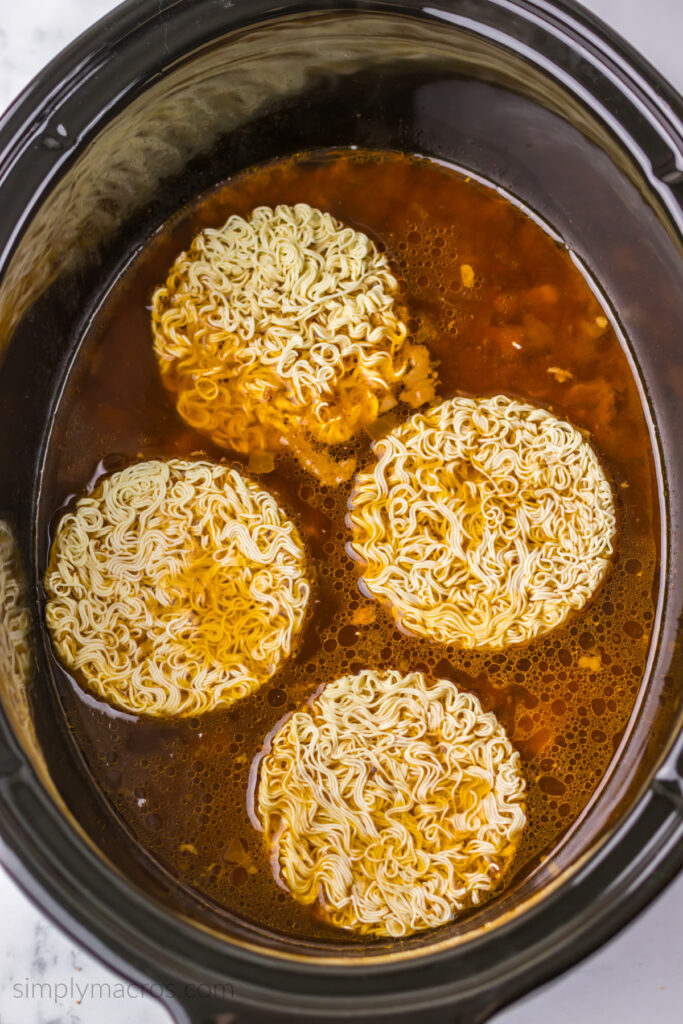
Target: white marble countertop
{"points": [[46, 979]]}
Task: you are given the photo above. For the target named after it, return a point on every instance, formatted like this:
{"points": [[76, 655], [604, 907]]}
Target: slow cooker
{"points": [[163, 99]]}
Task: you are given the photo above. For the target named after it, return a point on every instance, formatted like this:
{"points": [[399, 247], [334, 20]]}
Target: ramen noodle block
{"points": [[175, 587], [393, 801], [284, 329], [483, 522]]}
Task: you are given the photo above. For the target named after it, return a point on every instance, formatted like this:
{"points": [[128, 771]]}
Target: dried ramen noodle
{"points": [[175, 587], [283, 329], [483, 522], [393, 801]]}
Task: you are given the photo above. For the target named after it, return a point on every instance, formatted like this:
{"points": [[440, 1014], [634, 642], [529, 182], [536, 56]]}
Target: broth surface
{"points": [[504, 308]]}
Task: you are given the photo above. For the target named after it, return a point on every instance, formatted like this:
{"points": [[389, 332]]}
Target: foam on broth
{"points": [[503, 308]]}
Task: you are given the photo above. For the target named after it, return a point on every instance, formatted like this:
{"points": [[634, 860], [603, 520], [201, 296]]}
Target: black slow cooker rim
{"points": [[106, 914]]}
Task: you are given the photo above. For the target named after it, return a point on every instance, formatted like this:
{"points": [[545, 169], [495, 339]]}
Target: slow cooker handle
{"points": [[203, 1011]]}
